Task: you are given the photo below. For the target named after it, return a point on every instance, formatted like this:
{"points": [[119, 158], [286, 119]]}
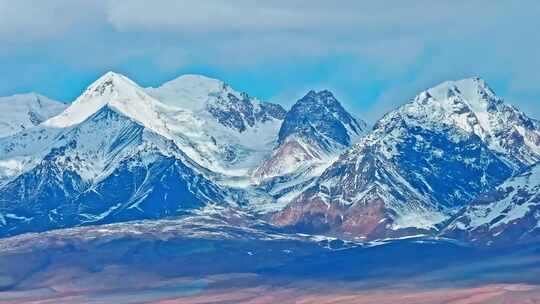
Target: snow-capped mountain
{"points": [[24, 150], [313, 134], [420, 164], [230, 132], [233, 109], [509, 214], [108, 157], [22, 111], [472, 105], [319, 117], [121, 152]]}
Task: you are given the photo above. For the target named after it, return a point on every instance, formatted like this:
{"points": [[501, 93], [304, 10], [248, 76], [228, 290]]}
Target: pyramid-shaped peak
{"points": [[110, 83], [322, 93], [113, 90], [320, 116], [112, 76], [321, 98]]}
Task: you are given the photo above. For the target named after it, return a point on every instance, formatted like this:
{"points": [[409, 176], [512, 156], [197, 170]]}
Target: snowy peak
{"points": [[314, 132], [318, 116], [418, 164], [110, 85], [323, 97], [469, 106], [474, 92], [470, 95], [33, 100], [467, 103], [204, 95], [190, 92], [119, 93], [21, 111]]}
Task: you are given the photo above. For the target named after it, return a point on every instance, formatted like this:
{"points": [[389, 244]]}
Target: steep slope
{"points": [[229, 107], [315, 131], [231, 132], [507, 215], [419, 165], [472, 105], [117, 92], [25, 150], [107, 158], [22, 111]]}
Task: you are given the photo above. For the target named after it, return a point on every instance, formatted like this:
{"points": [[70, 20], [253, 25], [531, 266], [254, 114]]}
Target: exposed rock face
{"points": [[241, 113], [232, 109], [121, 152], [314, 132], [321, 118], [420, 164], [222, 129]]}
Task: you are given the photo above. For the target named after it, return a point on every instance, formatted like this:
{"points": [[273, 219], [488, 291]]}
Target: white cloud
{"points": [[404, 46], [244, 16], [27, 20]]}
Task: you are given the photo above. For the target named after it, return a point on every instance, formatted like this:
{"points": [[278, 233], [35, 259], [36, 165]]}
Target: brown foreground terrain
{"points": [[480, 295], [309, 293]]}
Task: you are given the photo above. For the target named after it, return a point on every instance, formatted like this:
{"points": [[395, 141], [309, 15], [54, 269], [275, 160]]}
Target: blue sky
{"points": [[373, 55]]}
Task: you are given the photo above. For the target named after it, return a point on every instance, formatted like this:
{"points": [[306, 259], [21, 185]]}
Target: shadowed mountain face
{"points": [[420, 164], [318, 116], [193, 192], [446, 163], [315, 131], [144, 177], [507, 215]]}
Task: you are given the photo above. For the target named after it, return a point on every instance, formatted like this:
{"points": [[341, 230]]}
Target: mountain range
{"points": [[456, 161]]}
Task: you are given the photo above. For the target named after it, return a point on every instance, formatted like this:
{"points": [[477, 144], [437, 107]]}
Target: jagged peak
{"points": [[320, 112], [205, 96], [466, 97], [324, 97], [468, 106]]}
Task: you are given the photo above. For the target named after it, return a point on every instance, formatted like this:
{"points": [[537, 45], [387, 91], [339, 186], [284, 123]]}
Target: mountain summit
{"points": [[456, 160], [472, 106], [419, 165], [229, 107], [22, 111], [119, 93], [314, 132], [319, 117]]}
